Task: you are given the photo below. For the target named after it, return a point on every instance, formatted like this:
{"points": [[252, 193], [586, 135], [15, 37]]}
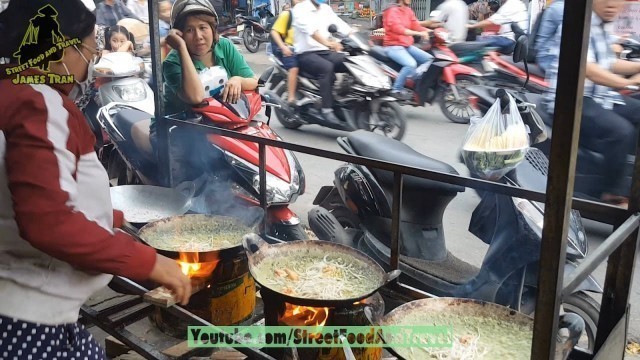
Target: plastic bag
{"points": [[497, 143]]}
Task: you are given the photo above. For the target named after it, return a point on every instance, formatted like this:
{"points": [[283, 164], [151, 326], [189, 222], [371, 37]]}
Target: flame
{"points": [[191, 267], [295, 315]]}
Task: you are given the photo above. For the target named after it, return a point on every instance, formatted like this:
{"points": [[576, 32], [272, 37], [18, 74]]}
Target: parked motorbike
{"points": [[233, 174], [361, 101], [256, 29], [356, 211], [446, 78], [589, 161]]}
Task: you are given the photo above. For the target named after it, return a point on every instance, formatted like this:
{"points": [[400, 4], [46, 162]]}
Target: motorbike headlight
{"points": [[278, 190], [380, 81], [535, 217], [131, 92], [531, 213]]}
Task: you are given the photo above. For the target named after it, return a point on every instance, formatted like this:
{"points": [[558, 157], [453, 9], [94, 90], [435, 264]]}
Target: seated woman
{"points": [[119, 39], [196, 47]]}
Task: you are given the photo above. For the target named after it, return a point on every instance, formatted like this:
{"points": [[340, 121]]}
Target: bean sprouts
{"points": [[323, 276]]}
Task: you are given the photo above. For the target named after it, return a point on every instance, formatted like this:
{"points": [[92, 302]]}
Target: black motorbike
{"points": [[356, 211], [362, 99], [256, 29]]}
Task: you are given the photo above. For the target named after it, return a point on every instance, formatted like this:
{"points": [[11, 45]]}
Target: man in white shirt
{"points": [[455, 16], [317, 52], [511, 12]]}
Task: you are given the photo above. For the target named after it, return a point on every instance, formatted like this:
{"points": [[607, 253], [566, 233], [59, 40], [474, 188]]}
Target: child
{"points": [[118, 39]]}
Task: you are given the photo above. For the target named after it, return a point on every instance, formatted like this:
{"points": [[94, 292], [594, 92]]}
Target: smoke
{"points": [[217, 197], [193, 158]]}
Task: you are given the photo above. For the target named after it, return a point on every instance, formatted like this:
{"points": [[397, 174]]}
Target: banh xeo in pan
{"points": [[195, 233], [314, 270], [481, 330]]}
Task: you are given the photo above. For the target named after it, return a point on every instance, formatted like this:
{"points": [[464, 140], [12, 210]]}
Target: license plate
{"points": [[240, 27]]}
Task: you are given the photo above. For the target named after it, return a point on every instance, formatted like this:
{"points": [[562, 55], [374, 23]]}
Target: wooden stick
{"points": [[163, 297]]}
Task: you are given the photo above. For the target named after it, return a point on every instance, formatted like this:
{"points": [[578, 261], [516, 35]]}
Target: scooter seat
{"points": [[466, 47], [533, 68], [134, 124], [140, 136], [383, 148]]}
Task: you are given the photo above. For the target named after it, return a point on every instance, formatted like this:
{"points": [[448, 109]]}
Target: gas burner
{"points": [[279, 312]]}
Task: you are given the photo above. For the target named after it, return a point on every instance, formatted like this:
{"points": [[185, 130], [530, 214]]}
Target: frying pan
{"points": [[258, 250], [172, 224], [404, 314], [145, 203]]}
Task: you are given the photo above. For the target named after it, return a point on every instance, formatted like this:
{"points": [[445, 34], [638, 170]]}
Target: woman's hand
{"points": [[175, 40], [232, 90], [167, 272]]}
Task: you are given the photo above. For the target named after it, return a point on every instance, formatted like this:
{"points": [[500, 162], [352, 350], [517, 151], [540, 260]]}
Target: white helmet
{"points": [[182, 8]]}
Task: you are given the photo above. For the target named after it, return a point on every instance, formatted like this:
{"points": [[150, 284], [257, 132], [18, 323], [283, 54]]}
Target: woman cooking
{"points": [[59, 241], [196, 47]]}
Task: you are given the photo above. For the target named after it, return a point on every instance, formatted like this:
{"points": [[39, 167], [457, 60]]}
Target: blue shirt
{"points": [[546, 39], [600, 53]]}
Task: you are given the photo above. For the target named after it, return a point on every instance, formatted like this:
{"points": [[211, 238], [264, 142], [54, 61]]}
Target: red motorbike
{"points": [[231, 181], [508, 74], [444, 81]]}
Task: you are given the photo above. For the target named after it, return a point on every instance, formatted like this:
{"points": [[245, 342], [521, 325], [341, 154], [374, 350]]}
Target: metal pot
{"points": [[258, 250], [194, 256]]}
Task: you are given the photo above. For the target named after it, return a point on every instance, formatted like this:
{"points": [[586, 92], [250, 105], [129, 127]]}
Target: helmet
{"points": [[182, 8]]}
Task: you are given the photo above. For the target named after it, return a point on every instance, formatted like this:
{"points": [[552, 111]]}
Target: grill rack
{"points": [[115, 319]]}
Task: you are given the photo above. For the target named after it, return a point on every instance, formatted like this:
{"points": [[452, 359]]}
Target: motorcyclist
{"points": [[512, 11], [545, 38], [282, 37], [608, 119], [400, 26], [317, 53]]}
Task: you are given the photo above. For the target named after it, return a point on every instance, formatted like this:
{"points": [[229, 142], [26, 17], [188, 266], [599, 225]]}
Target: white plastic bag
{"points": [[497, 143]]}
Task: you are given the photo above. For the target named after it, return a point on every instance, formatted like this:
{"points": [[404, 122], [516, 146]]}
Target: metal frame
{"points": [[619, 248]]}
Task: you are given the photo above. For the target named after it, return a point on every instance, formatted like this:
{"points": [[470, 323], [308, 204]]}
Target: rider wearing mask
{"points": [[60, 239], [196, 47], [317, 53], [511, 12], [609, 120], [400, 26]]}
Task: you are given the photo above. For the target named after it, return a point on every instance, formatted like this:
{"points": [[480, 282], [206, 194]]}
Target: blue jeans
{"points": [[409, 58], [504, 45]]}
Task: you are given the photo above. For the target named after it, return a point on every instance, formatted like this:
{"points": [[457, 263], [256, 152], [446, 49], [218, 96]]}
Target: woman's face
{"points": [[117, 40], [198, 36]]}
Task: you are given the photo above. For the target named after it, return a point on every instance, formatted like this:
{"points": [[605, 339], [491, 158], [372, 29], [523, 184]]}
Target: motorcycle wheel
{"points": [[458, 111], [392, 121], [588, 309], [250, 41], [286, 121]]}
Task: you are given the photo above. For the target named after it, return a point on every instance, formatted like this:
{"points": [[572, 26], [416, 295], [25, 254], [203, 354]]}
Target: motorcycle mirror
{"points": [[333, 28]]}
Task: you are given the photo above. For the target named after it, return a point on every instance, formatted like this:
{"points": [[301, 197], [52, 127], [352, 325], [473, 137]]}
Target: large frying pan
{"points": [[173, 224], [142, 204], [407, 313], [258, 250]]}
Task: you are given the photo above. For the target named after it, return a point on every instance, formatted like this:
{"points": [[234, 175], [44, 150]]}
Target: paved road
{"points": [[430, 133]]}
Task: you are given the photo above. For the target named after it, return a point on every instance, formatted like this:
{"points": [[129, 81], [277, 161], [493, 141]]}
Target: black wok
{"points": [[258, 250], [171, 224]]}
